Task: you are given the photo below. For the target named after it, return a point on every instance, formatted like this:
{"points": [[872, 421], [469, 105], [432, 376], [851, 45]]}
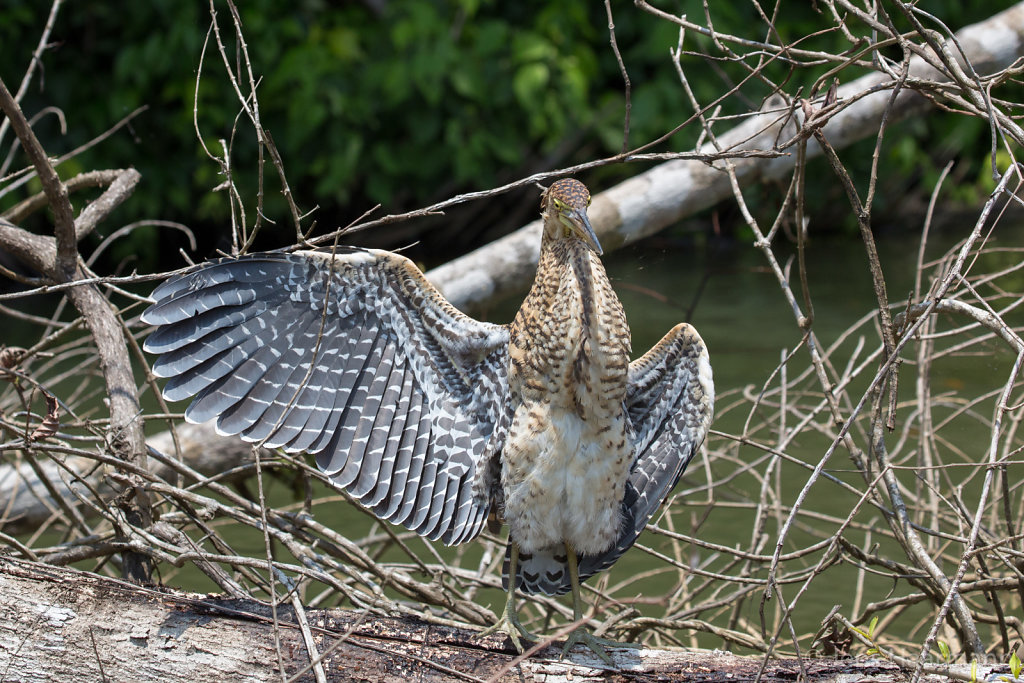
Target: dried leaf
{"points": [[833, 93], [10, 356], [48, 427]]}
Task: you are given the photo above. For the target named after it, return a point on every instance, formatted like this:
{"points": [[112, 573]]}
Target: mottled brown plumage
{"points": [[434, 420], [568, 452]]}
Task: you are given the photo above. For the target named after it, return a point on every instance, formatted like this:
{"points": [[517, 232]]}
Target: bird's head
{"points": [[564, 207]]}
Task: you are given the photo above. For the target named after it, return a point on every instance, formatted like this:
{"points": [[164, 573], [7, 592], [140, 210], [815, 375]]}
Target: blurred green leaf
{"points": [[529, 80]]}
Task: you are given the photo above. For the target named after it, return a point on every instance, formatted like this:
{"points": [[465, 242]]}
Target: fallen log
{"points": [[27, 501], [58, 623]]}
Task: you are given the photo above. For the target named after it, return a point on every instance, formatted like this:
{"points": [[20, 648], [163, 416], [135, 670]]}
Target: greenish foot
{"points": [[509, 624]]}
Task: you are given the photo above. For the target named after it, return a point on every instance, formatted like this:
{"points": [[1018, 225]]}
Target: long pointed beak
{"points": [[586, 231]]}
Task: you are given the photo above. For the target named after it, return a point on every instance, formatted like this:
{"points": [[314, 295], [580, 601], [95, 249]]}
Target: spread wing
{"points": [[670, 402], [352, 356]]}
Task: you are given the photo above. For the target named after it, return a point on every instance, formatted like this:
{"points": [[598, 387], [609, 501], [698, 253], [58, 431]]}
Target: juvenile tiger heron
{"points": [[432, 419]]}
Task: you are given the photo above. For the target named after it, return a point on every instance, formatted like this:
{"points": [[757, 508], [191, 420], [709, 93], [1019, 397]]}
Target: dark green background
{"points": [[419, 102]]}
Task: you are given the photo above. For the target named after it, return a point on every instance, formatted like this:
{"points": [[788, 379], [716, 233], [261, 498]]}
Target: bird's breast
{"points": [[568, 451]]}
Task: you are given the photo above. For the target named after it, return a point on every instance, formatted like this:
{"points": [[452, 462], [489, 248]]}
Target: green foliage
{"points": [[430, 98], [869, 635]]}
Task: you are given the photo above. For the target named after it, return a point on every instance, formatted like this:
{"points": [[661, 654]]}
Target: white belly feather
{"points": [[570, 481]]}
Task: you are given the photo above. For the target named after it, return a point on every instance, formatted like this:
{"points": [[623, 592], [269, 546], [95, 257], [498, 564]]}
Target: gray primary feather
{"points": [[353, 357]]}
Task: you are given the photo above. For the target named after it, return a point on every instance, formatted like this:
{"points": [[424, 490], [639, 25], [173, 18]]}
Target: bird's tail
{"points": [[547, 571]]}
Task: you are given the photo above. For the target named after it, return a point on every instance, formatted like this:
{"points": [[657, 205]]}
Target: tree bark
{"points": [[26, 502], [652, 200], [61, 624]]}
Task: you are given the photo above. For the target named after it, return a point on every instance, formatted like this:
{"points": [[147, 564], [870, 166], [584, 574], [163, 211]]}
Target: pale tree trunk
{"points": [[652, 200], [27, 489]]}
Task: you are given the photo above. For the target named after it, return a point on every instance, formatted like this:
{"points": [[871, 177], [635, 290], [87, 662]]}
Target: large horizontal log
{"points": [[61, 624], [663, 195], [26, 501]]}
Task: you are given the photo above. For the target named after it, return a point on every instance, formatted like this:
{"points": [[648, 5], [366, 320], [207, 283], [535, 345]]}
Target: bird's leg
{"points": [[508, 622], [580, 635]]}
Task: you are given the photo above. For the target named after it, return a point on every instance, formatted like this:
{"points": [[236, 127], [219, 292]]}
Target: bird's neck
{"points": [[571, 331], [558, 251], [567, 272]]}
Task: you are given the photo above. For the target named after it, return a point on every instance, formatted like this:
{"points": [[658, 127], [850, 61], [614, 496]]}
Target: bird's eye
{"points": [[589, 199], [559, 204]]}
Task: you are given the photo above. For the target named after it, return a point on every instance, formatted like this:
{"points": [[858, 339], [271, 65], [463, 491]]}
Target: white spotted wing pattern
{"points": [[351, 356]]}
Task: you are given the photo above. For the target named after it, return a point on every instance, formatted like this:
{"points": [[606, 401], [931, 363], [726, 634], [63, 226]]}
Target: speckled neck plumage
{"points": [[571, 333]]}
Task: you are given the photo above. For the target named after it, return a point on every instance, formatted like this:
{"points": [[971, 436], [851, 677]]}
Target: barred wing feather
{"points": [[670, 402], [352, 356]]}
